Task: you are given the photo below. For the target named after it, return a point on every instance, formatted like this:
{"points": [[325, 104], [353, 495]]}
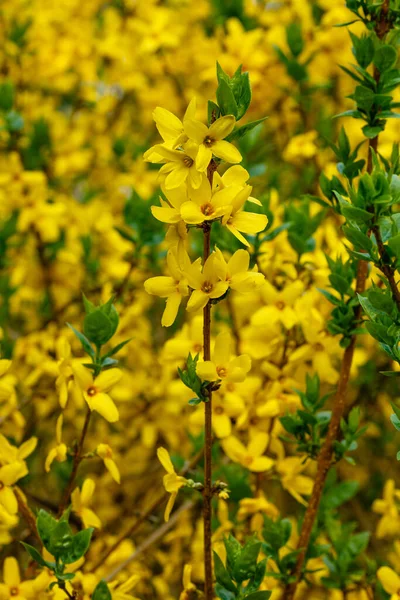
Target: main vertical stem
{"points": [[207, 493]]}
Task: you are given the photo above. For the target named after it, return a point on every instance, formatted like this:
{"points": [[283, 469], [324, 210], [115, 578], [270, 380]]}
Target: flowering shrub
{"points": [[199, 315]]}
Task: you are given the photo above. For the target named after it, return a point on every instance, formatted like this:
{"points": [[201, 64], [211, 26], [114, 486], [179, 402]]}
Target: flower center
{"points": [[207, 209], [219, 410], [280, 305], [221, 371], [188, 161], [197, 348], [208, 141], [91, 391], [248, 460], [1, 485], [319, 347], [14, 591], [254, 420], [207, 287]]}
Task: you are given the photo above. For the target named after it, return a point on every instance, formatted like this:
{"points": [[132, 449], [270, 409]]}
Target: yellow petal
{"points": [[176, 177], [107, 379], [160, 286], [258, 444], [226, 151], [27, 448], [165, 460], [197, 300], [89, 518], [103, 404], [191, 213], [206, 371], [165, 214], [11, 574], [83, 376], [261, 464], [112, 469], [389, 580], [239, 262], [249, 222], [222, 425], [8, 500], [203, 158], [222, 127], [170, 506], [234, 448], [87, 491], [195, 130], [171, 309]]}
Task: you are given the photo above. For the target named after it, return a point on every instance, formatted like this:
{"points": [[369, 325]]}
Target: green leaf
{"points": [[294, 38], [84, 341], [100, 325], [233, 550], [79, 546], [395, 421], [222, 575], [385, 58], [101, 592], [244, 129], [46, 525], [37, 557], [61, 541], [371, 131], [226, 99], [263, 595], [6, 96], [245, 566], [117, 348], [223, 593], [89, 306]]}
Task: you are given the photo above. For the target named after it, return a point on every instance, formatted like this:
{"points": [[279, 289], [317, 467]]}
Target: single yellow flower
{"points": [[205, 283], [94, 390], [223, 366], [236, 272], [207, 205], [172, 482], [251, 457], [59, 452], [180, 165], [81, 499], [210, 140], [105, 452], [13, 588]]}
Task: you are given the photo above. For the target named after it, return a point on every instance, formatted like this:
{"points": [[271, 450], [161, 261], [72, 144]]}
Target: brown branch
{"points": [[75, 465], [326, 454]]}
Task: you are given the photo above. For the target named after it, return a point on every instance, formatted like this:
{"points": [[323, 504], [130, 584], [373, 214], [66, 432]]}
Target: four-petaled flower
{"points": [[172, 482], [94, 390]]}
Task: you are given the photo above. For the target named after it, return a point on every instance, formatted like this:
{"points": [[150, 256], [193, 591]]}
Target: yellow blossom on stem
{"points": [[207, 205], [223, 366], [105, 452], [205, 283], [173, 287], [180, 165], [279, 305], [13, 588], [59, 452], [172, 482], [81, 499], [210, 140], [389, 524], [236, 272], [170, 212], [251, 457], [95, 390]]}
